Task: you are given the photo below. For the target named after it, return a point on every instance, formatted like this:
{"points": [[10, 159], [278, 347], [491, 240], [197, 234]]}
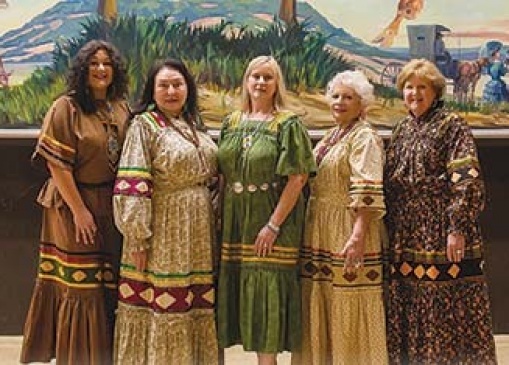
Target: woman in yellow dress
{"points": [[342, 303]]}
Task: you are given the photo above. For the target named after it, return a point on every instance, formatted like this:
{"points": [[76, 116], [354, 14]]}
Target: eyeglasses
{"points": [[95, 65]]}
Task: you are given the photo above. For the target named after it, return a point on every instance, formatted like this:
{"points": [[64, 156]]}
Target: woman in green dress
{"points": [[265, 156]]}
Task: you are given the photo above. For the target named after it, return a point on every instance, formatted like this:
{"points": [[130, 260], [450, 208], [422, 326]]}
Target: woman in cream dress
{"points": [[163, 208], [343, 313]]}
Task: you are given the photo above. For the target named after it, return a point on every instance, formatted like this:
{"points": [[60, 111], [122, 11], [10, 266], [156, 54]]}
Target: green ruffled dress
{"points": [[259, 297]]}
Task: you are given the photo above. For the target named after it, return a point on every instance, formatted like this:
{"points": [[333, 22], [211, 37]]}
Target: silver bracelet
{"points": [[275, 229]]}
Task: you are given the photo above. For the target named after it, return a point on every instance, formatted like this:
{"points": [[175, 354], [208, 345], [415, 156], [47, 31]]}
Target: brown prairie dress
{"points": [[71, 314], [438, 311]]}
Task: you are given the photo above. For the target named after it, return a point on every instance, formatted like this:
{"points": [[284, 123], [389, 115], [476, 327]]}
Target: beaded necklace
{"points": [[248, 137], [333, 139], [190, 137], [112, 141]]}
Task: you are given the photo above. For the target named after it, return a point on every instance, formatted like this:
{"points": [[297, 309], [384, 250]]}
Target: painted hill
{"points": [[34, 41]]}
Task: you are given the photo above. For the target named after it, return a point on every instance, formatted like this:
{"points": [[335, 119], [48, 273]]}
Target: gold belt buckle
{"points": [[237, 187]]}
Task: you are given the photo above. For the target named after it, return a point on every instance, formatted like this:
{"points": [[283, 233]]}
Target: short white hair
{"points": [[357, 81]]}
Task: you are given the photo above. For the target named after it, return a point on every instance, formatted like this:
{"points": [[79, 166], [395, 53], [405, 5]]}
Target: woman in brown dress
{"points": [[438, 308], [71, 315]]}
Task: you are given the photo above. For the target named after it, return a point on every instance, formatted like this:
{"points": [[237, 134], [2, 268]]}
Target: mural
{"points": [[312, 39]]}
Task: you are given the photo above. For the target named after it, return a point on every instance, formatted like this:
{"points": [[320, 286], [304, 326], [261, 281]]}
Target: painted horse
{"points": [[466, 79]]}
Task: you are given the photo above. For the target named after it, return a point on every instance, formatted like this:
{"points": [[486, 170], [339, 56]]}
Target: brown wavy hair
{"points": [[77, 80]]}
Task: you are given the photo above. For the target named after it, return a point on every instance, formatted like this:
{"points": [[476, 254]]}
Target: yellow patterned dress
{"points": [[161, 202], [343, 314]]}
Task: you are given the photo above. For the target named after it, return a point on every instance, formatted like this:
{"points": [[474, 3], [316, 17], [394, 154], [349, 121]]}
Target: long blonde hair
{"points": [[279, 101]]}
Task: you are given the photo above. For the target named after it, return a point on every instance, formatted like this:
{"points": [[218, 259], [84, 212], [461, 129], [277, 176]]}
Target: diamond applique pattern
{"points": [[79, 276], [419, 271], [125, 290], [47, 266], [147, 295], [454, 270], [433, 272], [165, 300]]}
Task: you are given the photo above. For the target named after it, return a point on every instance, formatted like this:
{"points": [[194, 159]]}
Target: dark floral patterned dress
{"points": [[438, 311]]}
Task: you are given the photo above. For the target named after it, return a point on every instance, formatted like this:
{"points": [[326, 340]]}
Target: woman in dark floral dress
{"points": [[438, 308]]}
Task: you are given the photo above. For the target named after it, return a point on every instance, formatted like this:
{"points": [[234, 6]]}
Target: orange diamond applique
{"points": [[433, 272], [454, 270], [419, 271], [79, 276], [405, 269]]}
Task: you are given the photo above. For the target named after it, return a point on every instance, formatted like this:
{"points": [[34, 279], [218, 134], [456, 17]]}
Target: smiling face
{"points": [[170, 91], [345, 104], [418, 95], [261, 84], [100, 73]]}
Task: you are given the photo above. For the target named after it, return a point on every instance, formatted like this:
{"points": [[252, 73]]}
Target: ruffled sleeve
{"points": [[296, 152], [366, 161], [57, 142], [132, 199], [465, 179]]}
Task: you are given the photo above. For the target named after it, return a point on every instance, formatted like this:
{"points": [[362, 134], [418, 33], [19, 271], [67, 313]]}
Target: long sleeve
{"points": [[132, 200], [366, 163], [465, 179]]}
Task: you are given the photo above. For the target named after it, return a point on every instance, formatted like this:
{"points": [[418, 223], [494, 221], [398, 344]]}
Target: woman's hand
{"points": [[353, 252], [455, 247], [85, 227], [140, 260], [265, 241]]}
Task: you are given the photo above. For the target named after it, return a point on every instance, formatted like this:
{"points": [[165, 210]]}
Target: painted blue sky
{"points": [[473, 21]]}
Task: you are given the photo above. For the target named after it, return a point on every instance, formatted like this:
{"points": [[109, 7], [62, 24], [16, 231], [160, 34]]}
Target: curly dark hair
{"points": [[190, 112], [77, 80]]}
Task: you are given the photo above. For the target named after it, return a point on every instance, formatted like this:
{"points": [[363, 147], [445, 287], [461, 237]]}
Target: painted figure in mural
{"points": [[162, 205], [265, 156], [341, 261], [468, 75], [495, 90], [71, 315], [407, 9], [4, 75], [438, 307]]}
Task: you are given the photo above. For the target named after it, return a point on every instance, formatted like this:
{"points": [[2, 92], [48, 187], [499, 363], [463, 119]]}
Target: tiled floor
{"points": [[9, 352]]}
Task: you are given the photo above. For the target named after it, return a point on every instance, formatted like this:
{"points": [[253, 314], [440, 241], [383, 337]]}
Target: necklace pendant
{"points": [[247, 142]]}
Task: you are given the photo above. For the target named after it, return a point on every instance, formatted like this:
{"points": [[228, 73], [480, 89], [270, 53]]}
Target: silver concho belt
{"points": [[237, 187]]}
